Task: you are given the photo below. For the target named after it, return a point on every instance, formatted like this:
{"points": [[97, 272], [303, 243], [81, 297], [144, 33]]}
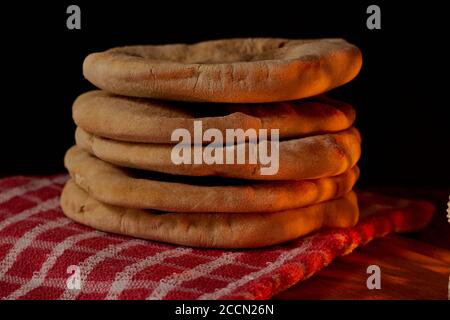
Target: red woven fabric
{"points": [[38, 244]]}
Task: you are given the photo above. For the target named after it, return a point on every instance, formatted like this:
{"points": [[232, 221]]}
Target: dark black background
{"points": [[400, 94]]}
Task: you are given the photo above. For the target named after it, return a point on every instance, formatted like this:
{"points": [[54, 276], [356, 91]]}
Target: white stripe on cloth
{"points": [[49, 245], [43, 206], [251, 276], [96, 286], [32, 185], [26, 241], [173, 281], [124, 277], [61, 179], [39, 277], [91, 262]]}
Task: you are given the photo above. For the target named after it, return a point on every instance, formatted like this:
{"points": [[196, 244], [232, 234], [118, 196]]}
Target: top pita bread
{"points": [[153, 121], [232, 70]]}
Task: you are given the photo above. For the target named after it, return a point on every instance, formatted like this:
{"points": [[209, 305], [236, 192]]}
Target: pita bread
{"points": [[131, 189], [153, 121], [306, 158], [232, 70], [210, 230]]}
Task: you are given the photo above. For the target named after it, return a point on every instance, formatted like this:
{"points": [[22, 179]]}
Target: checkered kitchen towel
{"points": [[38, 246]]}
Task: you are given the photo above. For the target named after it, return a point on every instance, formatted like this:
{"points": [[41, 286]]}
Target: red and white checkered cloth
{"points": [[38, 244]]}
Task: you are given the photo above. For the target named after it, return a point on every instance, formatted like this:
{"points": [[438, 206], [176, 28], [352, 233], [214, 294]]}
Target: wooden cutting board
{"points": [[410, 269]]}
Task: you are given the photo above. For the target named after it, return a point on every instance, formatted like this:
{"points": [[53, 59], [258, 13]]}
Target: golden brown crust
{"points": [[210, 230], [232, 70], [117, 186], [306, 158], [153, 121]]}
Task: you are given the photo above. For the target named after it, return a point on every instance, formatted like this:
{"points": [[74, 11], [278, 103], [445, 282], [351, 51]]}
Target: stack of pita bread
{"points": [[123, 179]]}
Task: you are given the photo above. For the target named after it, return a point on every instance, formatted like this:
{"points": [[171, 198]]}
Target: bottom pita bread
{"points": [[209, 230]]}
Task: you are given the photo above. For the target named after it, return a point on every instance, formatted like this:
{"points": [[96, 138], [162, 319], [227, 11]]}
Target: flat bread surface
{"points": [[231, 70], [212, 230], [153, 121], [305, 158], [139, 189]]}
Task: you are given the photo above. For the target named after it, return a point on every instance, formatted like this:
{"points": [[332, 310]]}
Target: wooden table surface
{"points": [[410, 269], [413, 266]]}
